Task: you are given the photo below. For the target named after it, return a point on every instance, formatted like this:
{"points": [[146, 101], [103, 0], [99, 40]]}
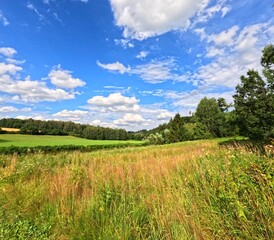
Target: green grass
{"points": [[20, 140], [191, 190]]}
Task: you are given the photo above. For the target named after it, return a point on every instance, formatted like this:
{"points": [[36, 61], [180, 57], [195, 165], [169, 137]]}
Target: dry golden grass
{"points": [[10, 129], [190, 190]]}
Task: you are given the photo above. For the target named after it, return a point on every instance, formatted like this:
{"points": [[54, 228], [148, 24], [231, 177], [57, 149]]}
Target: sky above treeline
{"points": [[129, 64]]}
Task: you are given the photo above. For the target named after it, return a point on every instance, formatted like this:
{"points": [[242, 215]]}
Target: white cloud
{"points": [[33, 117], [116, 67], [34, 91], [157, 71], [238, 50], [125, 43], [142, 54], [3, 19], [188, 101], [68, 115], [15, 61], [11, 109], [64, 79], [7, 51], [26, 109], [8, 69], [142, 19], [213, 52], [165, 115], [28, 90], [115, 102], [201, 33], [225, 10], [129, 119], [208, 13], [225, 38], [8, 109]]}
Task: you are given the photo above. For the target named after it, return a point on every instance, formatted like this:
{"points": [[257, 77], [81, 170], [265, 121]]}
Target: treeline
{"points": [[211, 120], [39, 127]]}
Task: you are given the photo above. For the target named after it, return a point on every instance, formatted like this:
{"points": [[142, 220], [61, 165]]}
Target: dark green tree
{"points": [[223, 104], [209, 114], [254, 101]]}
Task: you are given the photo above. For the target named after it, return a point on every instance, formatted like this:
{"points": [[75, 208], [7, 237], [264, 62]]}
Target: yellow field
{"points": [[10, 129]]}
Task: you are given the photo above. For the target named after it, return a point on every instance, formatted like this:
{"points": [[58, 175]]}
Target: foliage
{"points": [[254, 100], [209, 115]]}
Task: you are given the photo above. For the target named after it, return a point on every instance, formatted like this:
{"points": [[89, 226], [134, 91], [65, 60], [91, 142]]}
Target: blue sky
{"points": [[129, 64]]}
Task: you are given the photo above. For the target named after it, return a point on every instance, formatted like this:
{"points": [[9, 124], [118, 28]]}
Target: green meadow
{"points": [[20, 140], [190, 190]]}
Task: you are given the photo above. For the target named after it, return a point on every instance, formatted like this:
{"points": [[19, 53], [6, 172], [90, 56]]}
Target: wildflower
{"points": [[101, 209]]}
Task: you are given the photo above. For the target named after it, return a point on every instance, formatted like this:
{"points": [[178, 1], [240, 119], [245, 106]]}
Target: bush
{"points": [[61, 148]]}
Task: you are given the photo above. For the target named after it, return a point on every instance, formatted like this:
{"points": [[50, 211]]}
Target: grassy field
{"points": [[191, 190], [20, 140]]}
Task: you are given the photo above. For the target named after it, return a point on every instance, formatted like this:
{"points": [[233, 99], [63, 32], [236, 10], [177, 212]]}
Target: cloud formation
{"points": [[68, 115], [27, 90], [64, 79], [143, 19], [115, 102], [7, 51]]}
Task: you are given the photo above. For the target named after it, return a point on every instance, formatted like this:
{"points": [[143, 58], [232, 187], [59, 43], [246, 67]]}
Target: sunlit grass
{"points": [[191, 190], [22, 140]]}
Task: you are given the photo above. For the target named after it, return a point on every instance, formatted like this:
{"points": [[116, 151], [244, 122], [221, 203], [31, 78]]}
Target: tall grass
{"points": [[181, 191]]}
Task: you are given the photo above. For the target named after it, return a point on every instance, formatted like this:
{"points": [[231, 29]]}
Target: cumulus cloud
{"points": [[9, 69], [38, 117], [115, 67], [34, 91], [28, 90], [165, 115], [68, 115], [142, 19], [7, 51], [64, 79], [115, 102], [129, 119]]}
